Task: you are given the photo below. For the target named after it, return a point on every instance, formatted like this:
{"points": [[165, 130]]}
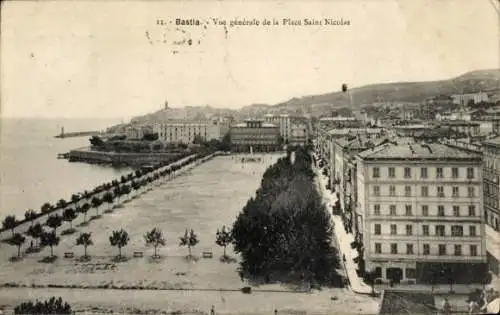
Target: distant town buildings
{"points": [[185, 131], [294, 130], [419, 206], [255, 134], [465, 98]]}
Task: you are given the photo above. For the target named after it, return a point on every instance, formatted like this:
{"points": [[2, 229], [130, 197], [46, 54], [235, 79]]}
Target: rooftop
{"points": [[338, 118], [459, 123], [346, 131], [418, 151]]}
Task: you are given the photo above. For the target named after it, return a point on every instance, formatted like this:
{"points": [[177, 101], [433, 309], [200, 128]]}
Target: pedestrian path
{"points": [[344, 240]]}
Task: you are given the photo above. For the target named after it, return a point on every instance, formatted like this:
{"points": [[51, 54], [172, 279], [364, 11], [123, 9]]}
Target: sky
{"points": [[113, 59]]}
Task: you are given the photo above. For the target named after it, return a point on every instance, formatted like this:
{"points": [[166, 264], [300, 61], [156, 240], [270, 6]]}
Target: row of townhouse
{"points": [[294, 130], [413, 207]]}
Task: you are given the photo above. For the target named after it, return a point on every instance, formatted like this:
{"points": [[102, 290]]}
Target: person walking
{"points": [[212, 310]]}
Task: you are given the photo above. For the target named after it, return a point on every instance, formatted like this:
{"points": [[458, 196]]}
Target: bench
{"points": [[69, 255], [138, 254], [207, 254]]}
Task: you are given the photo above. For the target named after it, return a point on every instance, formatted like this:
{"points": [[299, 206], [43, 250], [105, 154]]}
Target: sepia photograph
{"points": [[250, 157]]}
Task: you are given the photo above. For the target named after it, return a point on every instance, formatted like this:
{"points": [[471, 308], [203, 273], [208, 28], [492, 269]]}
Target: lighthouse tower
{"points": [[166, 105]]}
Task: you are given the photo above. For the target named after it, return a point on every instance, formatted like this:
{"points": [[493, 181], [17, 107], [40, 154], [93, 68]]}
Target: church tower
{"points": [[166, 105]]}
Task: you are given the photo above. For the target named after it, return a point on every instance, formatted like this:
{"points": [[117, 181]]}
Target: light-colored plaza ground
{"points": [[203, 199]]}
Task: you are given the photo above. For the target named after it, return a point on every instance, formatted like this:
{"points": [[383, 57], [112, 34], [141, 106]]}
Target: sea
{"points": [[30, 172]]}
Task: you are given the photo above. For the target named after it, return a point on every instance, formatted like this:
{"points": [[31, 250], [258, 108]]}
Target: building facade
{"points": [[255, 134], [185, 131], [465, 98], [294, 130], [491, 156], [419, 211]]}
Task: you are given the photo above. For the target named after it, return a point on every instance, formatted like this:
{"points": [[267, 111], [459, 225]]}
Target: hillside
{"points": [[474, 81], [317, 105]]}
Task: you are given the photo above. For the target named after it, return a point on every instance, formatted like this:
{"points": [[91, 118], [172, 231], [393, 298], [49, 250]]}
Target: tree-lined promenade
{"points": [[285, 232], [101, 199]]}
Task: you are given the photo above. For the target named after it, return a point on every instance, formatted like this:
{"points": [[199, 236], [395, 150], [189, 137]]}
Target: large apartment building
{"points": [[185, 131], [491, 156], [255, 134], [419, 208]]}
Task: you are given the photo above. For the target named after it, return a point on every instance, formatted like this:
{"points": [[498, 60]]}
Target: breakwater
{"points": [[91, 156], [63, 135]]}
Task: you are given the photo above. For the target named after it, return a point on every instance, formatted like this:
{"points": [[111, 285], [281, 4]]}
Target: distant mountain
{"points": [[474, 81], [323, 104]]}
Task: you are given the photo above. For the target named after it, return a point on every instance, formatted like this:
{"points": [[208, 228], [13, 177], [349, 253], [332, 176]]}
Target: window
{"points": [[376, 172], [442, 249], [425, 210], [394, 248], [456, 211], [427, 249], [376, 190], [392, 190], [470, 172], [439, 172], [392, 210], [472, 211], [440, 211], [423, 172], [409, 229], [408, 210], [394, 229], [457, 230], [473, 250], [472, 230], [458, 250], [407, 191], [454, 191], [392, 172], [377, 229], [439, 230], [409, 249], [454, 172], [378, 248], [407, 172], [376, 210], [411, 273], [424, 191], [440, 191], [425, 230], [471, 192]]}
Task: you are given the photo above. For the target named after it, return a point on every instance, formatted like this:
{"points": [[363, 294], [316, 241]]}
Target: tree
{"points": [[17, 240], [50, 239], [9, 223], [75, 198], [125, 190], [35, 231], [54, 221], [117, 191], [84, 209], [61, 203], [190, 240], [96, 202], [30, 215], [45, 208], [85, 240], [150, 136], [119, 239], [370, 277], [108, 197], [223, 238], [69, 215], [96, 141], [51, 306], [155, 238]]}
